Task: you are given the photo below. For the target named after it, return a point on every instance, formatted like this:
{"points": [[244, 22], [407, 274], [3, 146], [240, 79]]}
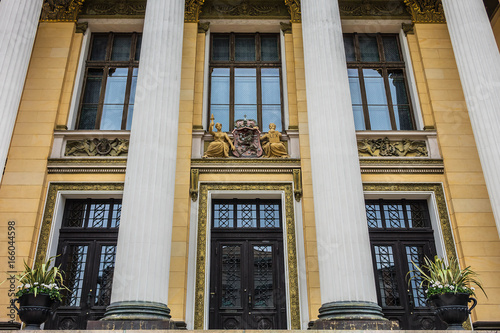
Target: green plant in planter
{"points": [[42, 279], [437, 278]]}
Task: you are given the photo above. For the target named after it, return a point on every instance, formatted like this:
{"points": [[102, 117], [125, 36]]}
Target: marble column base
{"points": [[352, 316], [111, 325], [137, 310]]}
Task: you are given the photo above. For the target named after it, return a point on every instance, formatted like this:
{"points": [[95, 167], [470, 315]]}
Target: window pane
{"points": [[246, 216], [271, 114], [391, 49], [133, 87], [99, 44], [263, 276], [129, 117], [368, 48], [111, 117], [241, 110], [354, 86], [220, 86], [221, 115], [121, 48], [386, 276], [138, 48], [92, 89], [379, 117], [397, 86], [220, 48], [88, 116], [77, 258], [116, 86], [271, 92], [349, 48], [269, 48], [374, 85], [359, 119], [244, 48], [245, 86], [402, 115]]}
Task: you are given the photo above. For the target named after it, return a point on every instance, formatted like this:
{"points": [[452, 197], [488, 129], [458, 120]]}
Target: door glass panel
{"points": [[386, 273], [269, 216], [414, 255], [75, 274], [373, 216], [231, 276], [223, 216], [394, 216], [263, 276], [105, 275], [246, 216]]}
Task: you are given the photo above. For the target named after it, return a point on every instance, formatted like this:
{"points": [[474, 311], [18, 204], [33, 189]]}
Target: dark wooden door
{"points": [[86, 253], [401, 236], [247, 280]]}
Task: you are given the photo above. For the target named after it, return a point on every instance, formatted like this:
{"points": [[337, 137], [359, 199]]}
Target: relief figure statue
{"points": [[273, 147], [220, 146]]}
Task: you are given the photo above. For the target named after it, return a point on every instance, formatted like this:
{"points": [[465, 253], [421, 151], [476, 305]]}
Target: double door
{"points": [[247, 289]]}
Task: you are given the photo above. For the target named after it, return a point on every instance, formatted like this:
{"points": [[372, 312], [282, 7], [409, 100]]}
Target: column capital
{"points": [[193, 10], [426, 11], [294, 10], [61, 11]]}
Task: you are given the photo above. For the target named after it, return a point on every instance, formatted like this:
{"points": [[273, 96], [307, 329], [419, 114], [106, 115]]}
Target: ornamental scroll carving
{"points": [[61, 10], [192, 10], [385, 147], [426, 11], [294, 10], [115, 7], [372, 8], [244, 8], [97, 147]]}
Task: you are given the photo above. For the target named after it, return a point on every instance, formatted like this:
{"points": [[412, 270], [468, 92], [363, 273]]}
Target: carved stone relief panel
{"points": [[385, 147]]}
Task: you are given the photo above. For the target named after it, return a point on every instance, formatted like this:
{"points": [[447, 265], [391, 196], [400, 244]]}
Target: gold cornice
{"points": [[192, 11], [426, 11], [294, 10], [201, 257], [50, 203], [61, 10]]}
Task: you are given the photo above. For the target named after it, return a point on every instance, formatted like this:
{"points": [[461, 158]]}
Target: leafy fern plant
{"points": [[438, 278], [42, 279]]}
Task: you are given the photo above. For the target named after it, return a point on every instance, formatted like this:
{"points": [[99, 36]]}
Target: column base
{"points": [[352, 316]]}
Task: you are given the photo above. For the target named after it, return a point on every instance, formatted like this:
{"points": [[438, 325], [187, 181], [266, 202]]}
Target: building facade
{"points": [[250, 164]]}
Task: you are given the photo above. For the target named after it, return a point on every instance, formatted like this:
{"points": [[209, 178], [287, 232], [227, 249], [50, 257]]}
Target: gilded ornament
{"points": [[202, 29], [273, 147], [192, 10], [220, 146], [294, 10], [60, 10], [385, 147], [97, 147], [426, 11], [202, 245], [297, 184], [193, 190]]}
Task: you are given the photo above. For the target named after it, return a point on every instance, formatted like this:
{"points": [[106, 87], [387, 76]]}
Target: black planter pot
{"points": [[453, 308], [33, 310]]}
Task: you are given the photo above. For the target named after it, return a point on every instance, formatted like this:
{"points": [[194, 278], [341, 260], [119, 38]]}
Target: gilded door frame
{"points": [[289, 240]]}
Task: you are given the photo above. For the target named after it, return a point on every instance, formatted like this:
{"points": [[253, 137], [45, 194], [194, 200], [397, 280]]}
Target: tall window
{"points": [[110, 81], [245, 78], [377, 78]]}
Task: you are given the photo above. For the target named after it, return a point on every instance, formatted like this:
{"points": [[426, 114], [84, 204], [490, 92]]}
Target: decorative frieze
{"points": [[192, 11], [426, 11], [114, 8], [372, 8], [244, 9], [385, 147], [97, 147], [61, 10]]}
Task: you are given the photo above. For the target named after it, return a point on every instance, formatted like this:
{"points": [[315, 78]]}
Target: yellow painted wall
{"points": [[23, 187], [474, 229]]}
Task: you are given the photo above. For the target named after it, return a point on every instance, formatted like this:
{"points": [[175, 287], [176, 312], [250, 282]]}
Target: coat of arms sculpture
{"points": [[246, 136]]}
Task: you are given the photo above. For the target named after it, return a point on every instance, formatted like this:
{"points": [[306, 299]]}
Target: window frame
{"points": [[105, 65], [384, 66], [257, 64]]}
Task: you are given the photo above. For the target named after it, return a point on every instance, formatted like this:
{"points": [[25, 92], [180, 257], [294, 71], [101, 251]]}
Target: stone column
{"points": [[18, 25], [348, 293], [141, 276], [478, 61]]}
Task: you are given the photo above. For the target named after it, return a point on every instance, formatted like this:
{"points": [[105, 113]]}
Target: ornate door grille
{"points": [[87, 249], [401, 234]]}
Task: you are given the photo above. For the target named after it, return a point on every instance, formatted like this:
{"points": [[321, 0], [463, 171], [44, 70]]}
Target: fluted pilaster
{"points": [[18, 25], [141, 278], [345, 267], [478, 61]]}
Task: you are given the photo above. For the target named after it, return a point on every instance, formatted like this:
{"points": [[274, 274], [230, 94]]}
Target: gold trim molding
{"points": [[50, 203], [444, 220], [201, 257], [426, 11], [192, 11], [61, 10]]}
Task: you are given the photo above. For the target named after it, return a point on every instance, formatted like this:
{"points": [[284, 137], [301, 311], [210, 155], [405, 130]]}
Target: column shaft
{"points": [[141, 277], [18, 25], [478, 62], [345, 265]]}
